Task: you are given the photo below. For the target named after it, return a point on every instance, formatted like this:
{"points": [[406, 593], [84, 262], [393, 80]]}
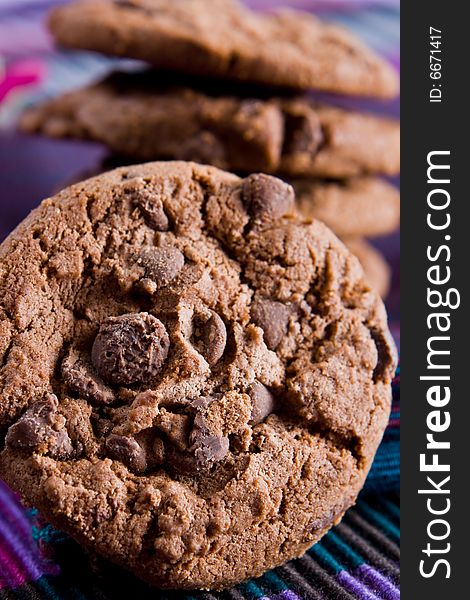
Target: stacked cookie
{"points": [[226, 87]]}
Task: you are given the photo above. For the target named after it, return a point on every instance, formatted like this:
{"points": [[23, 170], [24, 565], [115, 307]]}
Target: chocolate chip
{"points": [[303, 133], [41, 429], [200, 457], [80, 378], [150, 205], [273, 318], [206, 445], [266, 197], [210, 337], [161, 265], [128, 451], [130, 349], [263, 402], [209, 448]]}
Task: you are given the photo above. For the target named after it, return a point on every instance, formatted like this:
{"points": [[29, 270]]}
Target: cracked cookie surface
{"points": [[193, 382], [226, 40]]}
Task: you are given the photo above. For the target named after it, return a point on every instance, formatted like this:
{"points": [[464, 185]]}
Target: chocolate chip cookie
{"points": [[224, 39], [150, 115], [193, 383], [361, 206]]}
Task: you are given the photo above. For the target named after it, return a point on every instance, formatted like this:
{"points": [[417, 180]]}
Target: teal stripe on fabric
{"points": [[251, 590], [325, 559], [274, 582], [380, 520], [392, 508], [45, 587], [336, 544]]}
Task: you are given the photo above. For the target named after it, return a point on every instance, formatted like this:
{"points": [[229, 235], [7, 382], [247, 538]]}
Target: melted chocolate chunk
{"points": [[42, 430], [161, 265], [263, 402], [267, 198], [207, 446], [303, 133], [204, 446], [128, 451], [273, 318], [130, 349], [79, 376], [210, 337], [203, 454], [150, 205]]}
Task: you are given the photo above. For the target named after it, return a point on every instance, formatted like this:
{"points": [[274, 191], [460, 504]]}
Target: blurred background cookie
{"points": [[225, 40]]}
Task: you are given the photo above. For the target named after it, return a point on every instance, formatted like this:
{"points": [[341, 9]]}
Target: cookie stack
{"points": [[226, 86]]}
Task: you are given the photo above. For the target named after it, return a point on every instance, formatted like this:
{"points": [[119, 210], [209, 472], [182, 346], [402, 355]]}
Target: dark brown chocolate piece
{"points": [[128, 451], [303, 132], [263, 402], [210, 337], [266, 197], [273, 318], [41, 429], [130, 349], [161, 265], [79, 376], [151, 207]]}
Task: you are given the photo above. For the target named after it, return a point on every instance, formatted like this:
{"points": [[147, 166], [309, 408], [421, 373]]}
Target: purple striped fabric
{"points": [[20, 561], [355, 586], [376, 581]]}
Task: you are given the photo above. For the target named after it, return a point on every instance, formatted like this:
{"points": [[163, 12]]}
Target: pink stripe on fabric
{"points": [[11, 574], [21, 73], [20, 558]]}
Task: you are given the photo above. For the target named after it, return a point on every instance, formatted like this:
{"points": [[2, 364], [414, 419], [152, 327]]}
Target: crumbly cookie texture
{"points": [[377, 271], [361, 206], [150, 115], [193, 382], [224, 39]]}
